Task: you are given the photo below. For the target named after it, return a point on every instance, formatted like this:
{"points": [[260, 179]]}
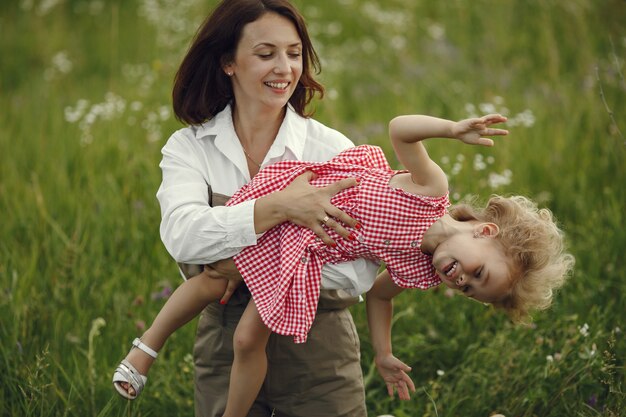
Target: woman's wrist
{"points": [[269, 211]]}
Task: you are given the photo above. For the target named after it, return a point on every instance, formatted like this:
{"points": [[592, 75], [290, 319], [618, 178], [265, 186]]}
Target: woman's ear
{"points": [[227, 67], [486, 230]]}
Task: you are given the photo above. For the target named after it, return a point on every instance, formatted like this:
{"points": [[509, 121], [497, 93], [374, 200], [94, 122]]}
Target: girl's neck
{"points": [[440, 231]]}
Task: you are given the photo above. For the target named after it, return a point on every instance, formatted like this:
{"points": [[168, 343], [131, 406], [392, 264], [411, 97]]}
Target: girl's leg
{"points": [[185, 303], [250, 364]]}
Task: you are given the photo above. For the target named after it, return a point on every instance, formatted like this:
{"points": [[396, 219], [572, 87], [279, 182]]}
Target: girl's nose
{"points": [[460, 280]]}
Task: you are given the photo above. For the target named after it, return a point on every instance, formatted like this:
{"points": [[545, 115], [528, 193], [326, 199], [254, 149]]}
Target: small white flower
{"points": [[436, 31], [496, 180], [440, 372], [470, 109], [334, 28], [479, 163], [550, 358], [584, 330], [136, 105], [487, 108]]}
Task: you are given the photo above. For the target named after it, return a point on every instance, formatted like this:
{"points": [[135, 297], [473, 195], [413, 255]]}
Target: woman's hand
{"points": [[225, 269], [471, 131], [309, 206], [394, 372]]}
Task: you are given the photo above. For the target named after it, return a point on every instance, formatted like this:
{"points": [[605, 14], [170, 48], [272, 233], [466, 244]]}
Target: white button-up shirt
{"points": [[195, 156]]}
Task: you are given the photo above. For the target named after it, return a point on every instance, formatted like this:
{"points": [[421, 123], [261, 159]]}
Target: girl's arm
{"points": [[379, 316], [407, 132]]}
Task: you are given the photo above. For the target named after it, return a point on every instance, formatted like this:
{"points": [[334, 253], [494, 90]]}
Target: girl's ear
{"points": [[486, 230]]}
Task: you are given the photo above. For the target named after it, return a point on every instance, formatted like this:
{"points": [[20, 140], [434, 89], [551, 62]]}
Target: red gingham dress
{"points": [[283, 271]]}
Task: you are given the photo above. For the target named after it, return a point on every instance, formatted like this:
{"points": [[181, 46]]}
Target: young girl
{"points": [[509, 254]]}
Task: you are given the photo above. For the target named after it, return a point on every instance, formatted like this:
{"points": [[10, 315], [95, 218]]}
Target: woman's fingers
{"points": [[231, 286], [311, 207], [339, 219], [322, 234], [333, 224]]}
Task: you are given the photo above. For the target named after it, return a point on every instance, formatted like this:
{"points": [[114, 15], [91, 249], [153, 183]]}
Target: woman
{"points": [[243, 88]]}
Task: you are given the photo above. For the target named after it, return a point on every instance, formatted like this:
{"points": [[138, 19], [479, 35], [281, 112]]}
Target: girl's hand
{"points": [[394, 372], [471, 131], [225, 269]]}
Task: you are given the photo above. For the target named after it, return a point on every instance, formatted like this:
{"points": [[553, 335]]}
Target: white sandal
{"points": [[126, 372]]}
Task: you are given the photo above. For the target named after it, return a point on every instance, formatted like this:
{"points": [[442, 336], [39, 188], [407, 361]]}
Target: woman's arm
{"points": [[407, 132], [196, 233], [305, 205], [379, 316]]}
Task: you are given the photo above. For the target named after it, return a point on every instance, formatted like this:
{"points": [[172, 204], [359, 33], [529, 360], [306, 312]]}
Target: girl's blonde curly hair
{"points": [[535, 244]]}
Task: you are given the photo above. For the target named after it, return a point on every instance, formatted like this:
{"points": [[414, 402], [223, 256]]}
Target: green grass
{"points": [[80, 255]]}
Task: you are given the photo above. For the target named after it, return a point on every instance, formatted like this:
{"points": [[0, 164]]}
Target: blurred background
{"points": [[85, 108]]}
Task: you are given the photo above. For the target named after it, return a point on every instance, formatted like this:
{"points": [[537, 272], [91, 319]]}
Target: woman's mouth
{"points": [[277, 85]]}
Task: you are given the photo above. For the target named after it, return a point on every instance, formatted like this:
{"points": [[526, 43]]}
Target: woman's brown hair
{"points": [[201, 89]]}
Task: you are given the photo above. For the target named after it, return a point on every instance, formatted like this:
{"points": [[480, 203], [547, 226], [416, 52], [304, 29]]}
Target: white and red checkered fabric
{"points": [[283, 271]]}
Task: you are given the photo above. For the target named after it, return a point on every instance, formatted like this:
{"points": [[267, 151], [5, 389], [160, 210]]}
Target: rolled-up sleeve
{"points": [[191, 230]]}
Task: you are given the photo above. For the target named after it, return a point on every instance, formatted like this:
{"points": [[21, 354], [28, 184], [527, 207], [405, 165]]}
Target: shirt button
{"points": [[414, 244], [303, 260], [387, 242]]}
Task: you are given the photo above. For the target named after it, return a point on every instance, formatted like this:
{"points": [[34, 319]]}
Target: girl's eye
{"points": [[478, 272]]}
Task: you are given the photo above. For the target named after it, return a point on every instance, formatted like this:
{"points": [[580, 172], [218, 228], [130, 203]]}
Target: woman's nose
{"points": [[282, 64]]}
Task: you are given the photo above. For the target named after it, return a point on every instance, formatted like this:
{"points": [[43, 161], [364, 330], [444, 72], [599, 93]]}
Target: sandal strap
{"points": [[126, 372], [145, 348]]}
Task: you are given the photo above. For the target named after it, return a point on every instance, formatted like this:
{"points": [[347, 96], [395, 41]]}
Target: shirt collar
{"points": [[222, 122], [291, 135]]}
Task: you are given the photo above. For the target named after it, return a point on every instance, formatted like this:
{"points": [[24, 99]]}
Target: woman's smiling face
{"points": [[268, 62]]}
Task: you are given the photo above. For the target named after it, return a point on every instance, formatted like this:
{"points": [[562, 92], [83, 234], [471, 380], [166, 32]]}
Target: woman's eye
{"points": [[264, 56], [478, 272], [295, 54]]}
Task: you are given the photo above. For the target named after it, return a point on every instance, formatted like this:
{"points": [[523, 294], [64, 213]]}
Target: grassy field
{"points": [[85, 109]]}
